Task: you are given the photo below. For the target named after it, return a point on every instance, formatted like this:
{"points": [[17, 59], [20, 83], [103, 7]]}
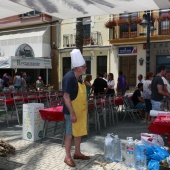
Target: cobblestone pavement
{"points": [[49, 154]]}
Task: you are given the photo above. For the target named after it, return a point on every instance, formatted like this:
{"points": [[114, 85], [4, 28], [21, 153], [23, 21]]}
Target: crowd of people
{"points": [[105, 83], [152, 91], [18, 82]]}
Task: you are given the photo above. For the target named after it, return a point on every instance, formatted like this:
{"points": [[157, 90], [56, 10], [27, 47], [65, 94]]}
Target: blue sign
{"points": [[128, 50]]}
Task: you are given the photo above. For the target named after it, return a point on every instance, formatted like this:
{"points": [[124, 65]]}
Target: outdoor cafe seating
{"points": [[102, 109]]}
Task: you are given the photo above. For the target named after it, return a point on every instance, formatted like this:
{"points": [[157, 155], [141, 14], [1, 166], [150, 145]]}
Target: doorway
{"points": [[127, 64]]}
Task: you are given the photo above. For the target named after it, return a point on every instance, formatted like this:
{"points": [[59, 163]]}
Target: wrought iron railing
{"points": [[164, 27], [94, 38]]}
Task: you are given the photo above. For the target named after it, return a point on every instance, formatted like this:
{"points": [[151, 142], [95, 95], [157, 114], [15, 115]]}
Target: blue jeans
{"points": [[140, 105], [156, 105], [68, 124]]}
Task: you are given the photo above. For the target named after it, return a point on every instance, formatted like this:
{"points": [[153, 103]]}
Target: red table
{"points": [[161, 125], [52, 114]]}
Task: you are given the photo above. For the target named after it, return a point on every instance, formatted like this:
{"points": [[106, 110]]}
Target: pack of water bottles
{"points": [[138, 154], [112, 148], [134, 152]]}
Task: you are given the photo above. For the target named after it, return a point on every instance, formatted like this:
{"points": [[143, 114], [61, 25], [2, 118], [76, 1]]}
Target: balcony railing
{"points": [[94, 38], [128, 34]]}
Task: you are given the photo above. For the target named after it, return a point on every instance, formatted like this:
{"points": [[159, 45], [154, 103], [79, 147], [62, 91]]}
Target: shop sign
{"points": [[128, 50], [30, 63]]}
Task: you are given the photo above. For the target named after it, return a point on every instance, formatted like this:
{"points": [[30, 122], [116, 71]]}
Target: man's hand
{"points": [[73, 118]]}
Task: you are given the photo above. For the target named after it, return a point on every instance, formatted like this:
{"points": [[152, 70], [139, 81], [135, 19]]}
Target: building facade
{"points": [[25, 45], [113, 43], [40, 45]]}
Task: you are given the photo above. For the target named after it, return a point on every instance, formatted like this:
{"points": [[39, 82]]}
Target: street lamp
{"points": [[147, 24]]}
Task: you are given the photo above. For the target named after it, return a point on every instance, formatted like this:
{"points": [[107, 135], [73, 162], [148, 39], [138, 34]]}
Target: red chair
{"points": [[3, 107], [91, 113], [43, 98], [100, 111], [32, 97]]}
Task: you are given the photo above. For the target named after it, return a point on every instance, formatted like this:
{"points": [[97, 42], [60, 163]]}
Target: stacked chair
{"points": [[18, 101], [3, 107]]}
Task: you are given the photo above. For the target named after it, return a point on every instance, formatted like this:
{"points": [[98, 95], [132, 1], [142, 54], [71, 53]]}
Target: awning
{"points": [[23, 33], [64, 9], [38, 38], [29, 63]]}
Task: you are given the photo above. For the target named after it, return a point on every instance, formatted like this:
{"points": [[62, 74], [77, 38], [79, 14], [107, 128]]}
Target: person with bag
{"points": [[75, 107]]}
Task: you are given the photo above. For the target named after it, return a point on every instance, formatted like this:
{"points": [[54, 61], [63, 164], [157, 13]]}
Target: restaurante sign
{"points": [[20, 63], [17, 62]]}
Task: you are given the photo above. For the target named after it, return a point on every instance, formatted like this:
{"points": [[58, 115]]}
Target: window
{"points": [[67, 64], [24, 50], [86, 31], [163, 60], [88, 64], [164, 25], [128, 29], [101, 64]]}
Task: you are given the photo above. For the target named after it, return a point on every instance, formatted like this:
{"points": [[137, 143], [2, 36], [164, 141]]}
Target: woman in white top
{"points": [[110, 84]]}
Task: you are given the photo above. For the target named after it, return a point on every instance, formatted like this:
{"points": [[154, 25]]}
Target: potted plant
{"points": [[110, 23], [136, 20], [123, 21], [163, 17]]}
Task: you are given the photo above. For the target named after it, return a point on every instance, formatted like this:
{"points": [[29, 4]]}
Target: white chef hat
{"points": [[77, 59]]}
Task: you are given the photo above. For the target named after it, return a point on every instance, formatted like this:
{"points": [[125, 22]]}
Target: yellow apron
{"points": [[80, 107]]}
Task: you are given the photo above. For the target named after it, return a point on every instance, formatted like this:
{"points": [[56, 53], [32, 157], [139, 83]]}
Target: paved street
{"points": [[49, 155]]}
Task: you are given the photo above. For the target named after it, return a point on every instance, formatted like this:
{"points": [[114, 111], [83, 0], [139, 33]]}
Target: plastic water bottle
{"points": [[109, 148], [129, 152], [117, 149], [140, 158]]}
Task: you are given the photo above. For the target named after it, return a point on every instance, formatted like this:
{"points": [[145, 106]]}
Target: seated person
{"points": [[138, 101]]}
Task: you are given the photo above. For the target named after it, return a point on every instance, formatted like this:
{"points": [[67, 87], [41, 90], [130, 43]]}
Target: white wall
{"points": [[40, 50]]}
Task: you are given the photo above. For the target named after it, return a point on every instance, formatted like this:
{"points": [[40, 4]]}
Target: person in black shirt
{"points": [[99, 85], [138, 101]]}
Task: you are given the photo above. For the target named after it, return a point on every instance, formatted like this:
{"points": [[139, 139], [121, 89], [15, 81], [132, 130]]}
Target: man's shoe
{"points": [[70, 162], [83, 157]]}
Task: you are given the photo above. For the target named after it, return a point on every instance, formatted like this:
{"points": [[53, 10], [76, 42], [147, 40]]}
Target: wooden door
{"points": [[127, 64]]}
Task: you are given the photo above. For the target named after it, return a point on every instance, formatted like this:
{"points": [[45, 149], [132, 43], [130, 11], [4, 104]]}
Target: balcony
{"points": [[94, 38]]}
